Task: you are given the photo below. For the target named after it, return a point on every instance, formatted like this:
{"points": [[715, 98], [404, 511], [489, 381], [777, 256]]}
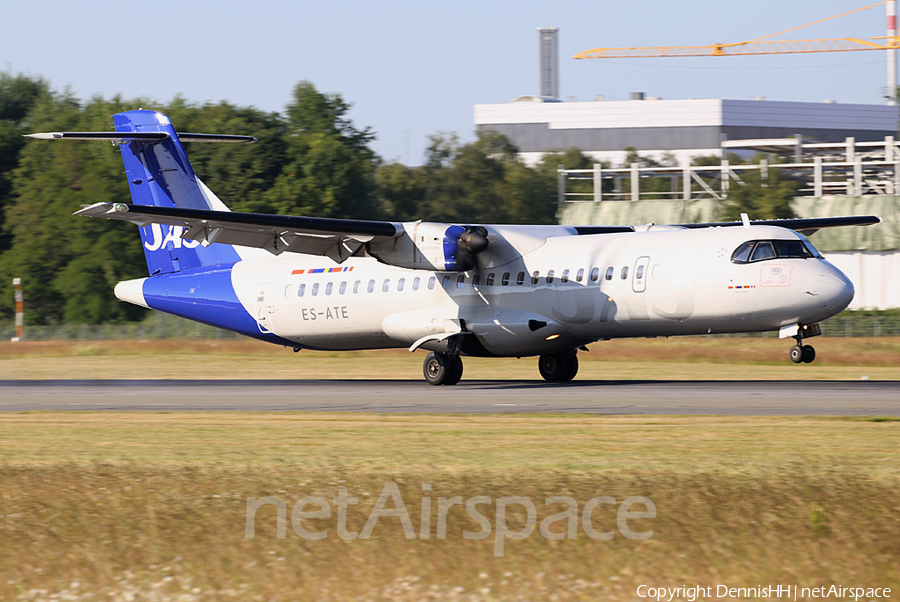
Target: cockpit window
{"points": [[763, 250], [760, 250], [790, 248]]}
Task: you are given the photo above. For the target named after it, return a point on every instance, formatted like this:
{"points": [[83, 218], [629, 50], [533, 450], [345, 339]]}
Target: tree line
{"points": [[311, 159]]}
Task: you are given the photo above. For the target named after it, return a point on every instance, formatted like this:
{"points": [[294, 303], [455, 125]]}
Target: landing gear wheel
{"points": [[797, 354], [454, 371], [439, 369], [559, 367], [809, 354]]}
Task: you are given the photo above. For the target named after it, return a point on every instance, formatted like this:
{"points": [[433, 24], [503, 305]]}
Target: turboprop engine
{"points": [[432, 246]]}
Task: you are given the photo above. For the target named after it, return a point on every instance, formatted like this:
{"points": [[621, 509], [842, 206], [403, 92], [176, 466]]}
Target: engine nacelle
{"points": [[432, 246]]}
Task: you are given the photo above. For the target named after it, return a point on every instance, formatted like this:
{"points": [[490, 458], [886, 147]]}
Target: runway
{"points": [[863, 398]]}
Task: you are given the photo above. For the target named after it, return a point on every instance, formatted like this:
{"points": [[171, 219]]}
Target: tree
{"points": [[760, 197], [18, 95], [68, 265], [330, 170]]}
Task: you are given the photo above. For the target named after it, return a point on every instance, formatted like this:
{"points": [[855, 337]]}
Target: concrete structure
{"points": [[549, 63], [685, 128]]}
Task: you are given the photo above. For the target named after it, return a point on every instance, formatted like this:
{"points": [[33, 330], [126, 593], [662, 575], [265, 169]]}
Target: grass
{"points": [[153, 506], [693, 358]]}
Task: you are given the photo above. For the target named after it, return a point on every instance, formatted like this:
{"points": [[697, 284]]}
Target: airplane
{"points": [[478, 290]]}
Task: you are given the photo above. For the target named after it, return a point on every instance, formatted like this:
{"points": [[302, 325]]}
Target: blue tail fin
{"points": [[160, 174]]}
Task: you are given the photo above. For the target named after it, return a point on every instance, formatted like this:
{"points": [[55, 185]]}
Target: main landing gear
{"points": [[442, 369], [559, 367]]}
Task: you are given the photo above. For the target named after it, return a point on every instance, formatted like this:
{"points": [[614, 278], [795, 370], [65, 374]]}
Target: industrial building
{"points": [[685, 128]]}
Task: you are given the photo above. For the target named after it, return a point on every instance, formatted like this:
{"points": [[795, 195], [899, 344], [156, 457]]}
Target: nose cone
{"points": [[834, 289]]}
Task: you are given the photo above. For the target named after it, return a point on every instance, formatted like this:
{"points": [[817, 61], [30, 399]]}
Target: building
{"points": [[685, 128]]}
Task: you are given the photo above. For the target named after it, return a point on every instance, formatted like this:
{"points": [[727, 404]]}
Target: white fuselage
{"points": [[653, 283]]}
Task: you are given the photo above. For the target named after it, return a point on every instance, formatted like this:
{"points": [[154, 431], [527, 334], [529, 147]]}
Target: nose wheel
{"points": [[802, 354]]}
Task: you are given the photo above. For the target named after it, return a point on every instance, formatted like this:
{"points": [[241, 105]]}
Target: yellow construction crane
{"points": [[763, 45]]}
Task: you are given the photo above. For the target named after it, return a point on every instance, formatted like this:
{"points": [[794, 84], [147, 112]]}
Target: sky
{"points": [[413, 69]]}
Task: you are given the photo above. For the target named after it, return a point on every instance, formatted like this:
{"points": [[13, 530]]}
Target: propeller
{"points": [[471, 242]]}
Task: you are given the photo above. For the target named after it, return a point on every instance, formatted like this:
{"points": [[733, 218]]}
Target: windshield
{"points": [[760, 250]]}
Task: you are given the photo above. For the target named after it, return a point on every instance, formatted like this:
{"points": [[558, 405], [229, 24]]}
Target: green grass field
{"points": [[691, 358], [153, 506], [124, 506]]}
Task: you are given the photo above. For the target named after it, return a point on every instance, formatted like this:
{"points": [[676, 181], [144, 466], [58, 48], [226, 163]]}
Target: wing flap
{"points": [[334, 238]]}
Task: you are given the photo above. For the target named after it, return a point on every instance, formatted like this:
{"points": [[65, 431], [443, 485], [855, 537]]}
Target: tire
{"points": [[454, 371], [573, 368], [796, 354], [809, 354], [436, 369], [558, 367]]}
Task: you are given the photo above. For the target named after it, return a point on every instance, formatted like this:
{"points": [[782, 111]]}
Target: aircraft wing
{"points": [[391, 242], [334, 238], [806, 226]]}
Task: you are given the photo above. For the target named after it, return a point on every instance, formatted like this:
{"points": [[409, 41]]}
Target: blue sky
{"points": [[412, 69]]}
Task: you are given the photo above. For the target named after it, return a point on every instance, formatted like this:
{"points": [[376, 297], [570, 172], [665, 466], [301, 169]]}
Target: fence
{"points": [[163, 326]]}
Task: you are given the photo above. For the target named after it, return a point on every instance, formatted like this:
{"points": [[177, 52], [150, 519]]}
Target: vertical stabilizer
{"points": [[160, 174]]}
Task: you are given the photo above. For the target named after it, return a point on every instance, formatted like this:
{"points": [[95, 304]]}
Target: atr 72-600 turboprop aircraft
{"points": [[454, 289]]}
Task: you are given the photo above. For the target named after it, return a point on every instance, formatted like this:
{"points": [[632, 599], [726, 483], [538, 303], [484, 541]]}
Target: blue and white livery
{"points": [[454, 289]]}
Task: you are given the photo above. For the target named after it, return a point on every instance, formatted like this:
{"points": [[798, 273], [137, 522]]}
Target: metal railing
{"points": [[842, 168]]}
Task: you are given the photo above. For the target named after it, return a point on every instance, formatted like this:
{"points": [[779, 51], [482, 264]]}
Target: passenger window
{"points": [[446, 282], [328, 288], [595, 274], [301, 290], [535, 277], [416, 283], [550, 277], [505, 279], [315, 289], [431, 283], [609, 273], [460, 280], [386, 286], [624, 272], [400, 284], [371, 287], [579, 276], [763, 250], [640, 272], [565, 276], [476, 280], [288, 290], [356, 287], [520, 278], [490, 279], [343, 288]]}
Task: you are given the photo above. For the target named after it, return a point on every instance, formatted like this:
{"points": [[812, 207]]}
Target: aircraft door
{"points": [[265, 307], [639, 279]]}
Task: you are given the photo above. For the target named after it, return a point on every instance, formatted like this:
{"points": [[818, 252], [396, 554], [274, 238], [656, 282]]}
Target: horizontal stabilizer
{"points": [[121, 137]]}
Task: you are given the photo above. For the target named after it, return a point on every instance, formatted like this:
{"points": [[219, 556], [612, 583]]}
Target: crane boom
{"points": [[761, 45], [745, 48]]}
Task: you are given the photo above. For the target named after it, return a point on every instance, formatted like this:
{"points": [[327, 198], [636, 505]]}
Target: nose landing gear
{"points": [[800, 353]]}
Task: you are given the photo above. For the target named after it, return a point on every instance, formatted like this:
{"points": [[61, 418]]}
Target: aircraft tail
{"points": [[159, 174]]}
